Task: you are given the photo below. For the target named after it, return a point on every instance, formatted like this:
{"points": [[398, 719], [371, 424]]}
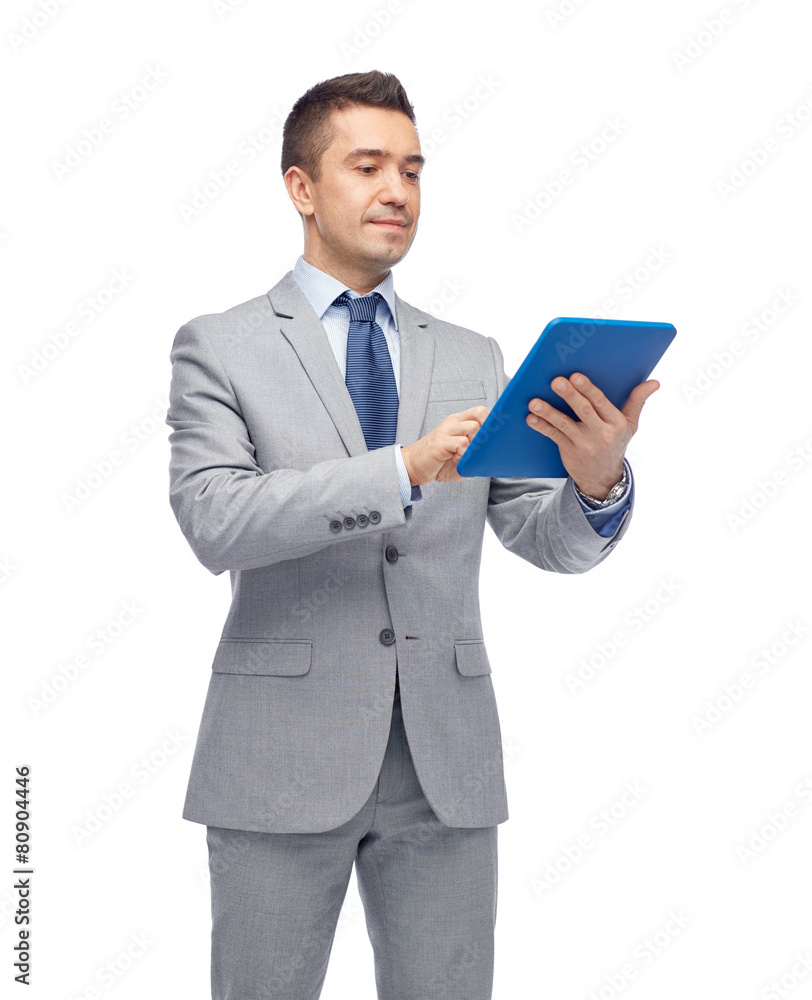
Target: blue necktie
{"points": [[370, 378]]}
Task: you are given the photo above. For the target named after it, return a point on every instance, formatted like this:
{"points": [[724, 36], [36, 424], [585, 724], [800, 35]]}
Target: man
{"points": [[350, 716]]}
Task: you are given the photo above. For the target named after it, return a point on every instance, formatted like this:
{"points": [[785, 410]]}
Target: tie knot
{"points": [[362, 308]]}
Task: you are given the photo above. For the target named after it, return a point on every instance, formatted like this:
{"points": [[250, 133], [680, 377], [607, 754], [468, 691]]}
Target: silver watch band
{"points": [[615, 494]]}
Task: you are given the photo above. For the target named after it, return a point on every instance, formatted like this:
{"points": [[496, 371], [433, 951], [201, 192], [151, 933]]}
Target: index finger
{"points": [[477, 413]]}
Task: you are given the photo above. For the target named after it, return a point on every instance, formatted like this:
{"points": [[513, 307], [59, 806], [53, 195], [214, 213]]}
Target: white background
{"points": [[708, 179]]}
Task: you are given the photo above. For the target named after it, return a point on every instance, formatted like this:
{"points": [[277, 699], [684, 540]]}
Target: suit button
{"points": [[374, 516], [387, 636], [391, 553], [362, 520], [335, 525], [349, 522]]}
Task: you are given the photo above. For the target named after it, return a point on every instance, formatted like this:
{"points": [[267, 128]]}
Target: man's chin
{"points": [[384, 257]]}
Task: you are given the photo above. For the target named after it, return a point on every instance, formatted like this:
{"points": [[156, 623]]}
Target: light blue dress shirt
{"points": [[322, 289]]}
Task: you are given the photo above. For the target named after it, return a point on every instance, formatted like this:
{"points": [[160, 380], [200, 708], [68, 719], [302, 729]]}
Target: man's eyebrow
{"points": [[361, 154]]}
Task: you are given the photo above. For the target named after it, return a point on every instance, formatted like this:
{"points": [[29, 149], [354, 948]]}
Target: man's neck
{"points": [[357, 281]]}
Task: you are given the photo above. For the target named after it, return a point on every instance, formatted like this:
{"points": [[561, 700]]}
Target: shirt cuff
{"points": [[606, 520], [408, 493]]}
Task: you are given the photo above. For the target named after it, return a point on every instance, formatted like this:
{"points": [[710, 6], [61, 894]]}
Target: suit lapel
{"points": [[303, 329]]}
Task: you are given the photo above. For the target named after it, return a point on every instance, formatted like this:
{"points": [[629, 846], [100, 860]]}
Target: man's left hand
{"points": [[591, 451]]}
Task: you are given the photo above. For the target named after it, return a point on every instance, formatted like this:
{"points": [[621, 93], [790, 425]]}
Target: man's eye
{"points": [[366, 168]]}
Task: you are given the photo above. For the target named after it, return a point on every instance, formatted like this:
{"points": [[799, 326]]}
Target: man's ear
{"points": [[297, 181]]}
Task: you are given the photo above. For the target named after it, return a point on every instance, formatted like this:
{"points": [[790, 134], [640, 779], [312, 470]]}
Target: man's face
{"points": [[361, 216]]}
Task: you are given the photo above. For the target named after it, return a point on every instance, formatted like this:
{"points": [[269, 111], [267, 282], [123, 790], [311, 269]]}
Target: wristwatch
{"points": [[612, 496]]}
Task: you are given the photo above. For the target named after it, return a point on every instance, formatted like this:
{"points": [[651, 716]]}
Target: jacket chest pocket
{"points": [[452, 396], [454, 389]]}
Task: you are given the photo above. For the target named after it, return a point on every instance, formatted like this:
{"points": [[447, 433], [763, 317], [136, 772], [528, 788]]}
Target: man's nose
{"points": [[394, 190]]}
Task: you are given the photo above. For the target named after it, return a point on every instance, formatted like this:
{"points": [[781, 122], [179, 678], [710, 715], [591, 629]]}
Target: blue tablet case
{"points": [[614, 354]]}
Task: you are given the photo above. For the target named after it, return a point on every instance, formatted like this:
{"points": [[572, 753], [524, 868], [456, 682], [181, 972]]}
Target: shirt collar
{"points": [[321, 289]]}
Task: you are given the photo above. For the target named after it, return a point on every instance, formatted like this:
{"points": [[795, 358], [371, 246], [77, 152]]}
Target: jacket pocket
{"points": [[472, 657], [452, 389], [282, 657]]}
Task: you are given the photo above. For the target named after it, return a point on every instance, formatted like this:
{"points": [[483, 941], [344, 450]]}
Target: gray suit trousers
{"points": [[428, 891]]}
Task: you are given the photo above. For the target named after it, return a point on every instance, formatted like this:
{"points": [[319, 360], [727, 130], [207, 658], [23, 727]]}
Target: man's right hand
{"points": [[434, 457]]}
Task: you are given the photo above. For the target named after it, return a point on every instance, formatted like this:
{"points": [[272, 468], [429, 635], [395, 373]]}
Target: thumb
{"points": [[637, 397]]}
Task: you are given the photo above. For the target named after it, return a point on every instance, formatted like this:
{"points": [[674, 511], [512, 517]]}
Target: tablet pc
{"points": [[616, 355]]}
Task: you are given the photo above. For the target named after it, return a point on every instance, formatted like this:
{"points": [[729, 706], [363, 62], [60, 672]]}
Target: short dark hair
{"points": [[307, 132]]}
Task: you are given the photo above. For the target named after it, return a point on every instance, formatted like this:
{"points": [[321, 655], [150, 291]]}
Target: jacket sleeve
{"points": [[541, 520], [236, 516]]}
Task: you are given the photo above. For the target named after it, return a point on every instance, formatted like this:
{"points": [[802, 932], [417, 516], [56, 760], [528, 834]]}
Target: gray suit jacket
{"points": [[333, 582]]}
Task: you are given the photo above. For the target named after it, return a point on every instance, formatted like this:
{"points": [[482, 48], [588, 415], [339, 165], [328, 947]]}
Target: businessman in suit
{"points": [[350, 717]]}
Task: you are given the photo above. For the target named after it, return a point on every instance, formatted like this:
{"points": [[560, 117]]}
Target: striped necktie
{"points": [[369, 376]]}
